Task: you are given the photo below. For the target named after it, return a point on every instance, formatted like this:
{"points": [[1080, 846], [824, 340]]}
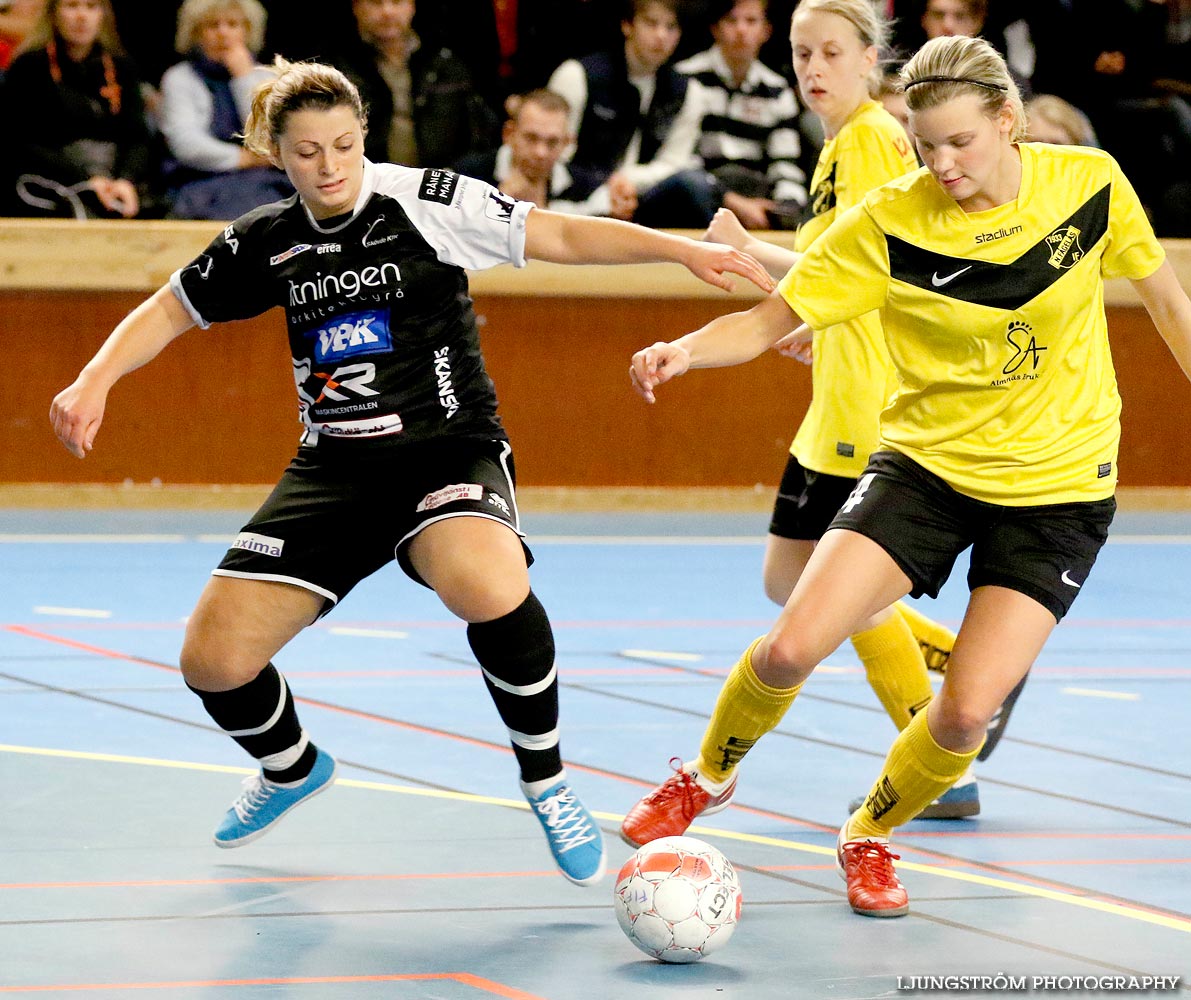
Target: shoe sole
{"points": [[997, 730], [950, 810], [240, 842], [591, 879]]}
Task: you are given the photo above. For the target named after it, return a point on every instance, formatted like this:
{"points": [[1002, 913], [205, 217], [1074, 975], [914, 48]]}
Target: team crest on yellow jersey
{"points": [[1065, 249], [823, 197]]}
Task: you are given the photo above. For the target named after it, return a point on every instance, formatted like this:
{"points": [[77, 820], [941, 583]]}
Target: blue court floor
{"points": [[421, 875]]}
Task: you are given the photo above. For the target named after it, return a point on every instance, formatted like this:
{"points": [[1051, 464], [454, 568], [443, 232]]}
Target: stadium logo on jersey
{"points": [[449, 494], [499, 207], [1000, 234], [260, 544], [291, 252], [374, 241], [438, 185], [446, 385], [352, 335], [1065, 249], [347, 283]]}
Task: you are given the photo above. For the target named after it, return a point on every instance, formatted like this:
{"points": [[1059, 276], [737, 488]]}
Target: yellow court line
{"points": [[1070, 899]]}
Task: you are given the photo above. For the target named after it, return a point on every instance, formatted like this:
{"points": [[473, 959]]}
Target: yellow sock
{"points": [[917, 771], [895, 668], [746, 710], [936, 641]]}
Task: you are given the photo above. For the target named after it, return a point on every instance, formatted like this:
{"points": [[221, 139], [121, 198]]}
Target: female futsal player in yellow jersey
{"points": [[836, 46], [988, 268]]}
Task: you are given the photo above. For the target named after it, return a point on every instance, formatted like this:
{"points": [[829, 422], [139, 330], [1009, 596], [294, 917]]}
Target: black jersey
{"points": [[381, 328]]}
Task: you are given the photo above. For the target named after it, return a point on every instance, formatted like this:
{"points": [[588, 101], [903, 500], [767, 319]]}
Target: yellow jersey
{"points": [[852, 377], [994, 321]]}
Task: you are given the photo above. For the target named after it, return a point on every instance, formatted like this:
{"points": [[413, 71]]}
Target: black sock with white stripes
{"points": [[261, 717], [516, 653]]}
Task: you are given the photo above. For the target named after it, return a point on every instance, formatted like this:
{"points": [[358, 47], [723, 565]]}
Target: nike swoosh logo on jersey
{"points": [[1067, 580], [940, 282]]}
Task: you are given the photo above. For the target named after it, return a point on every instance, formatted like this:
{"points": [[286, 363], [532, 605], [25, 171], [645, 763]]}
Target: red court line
{"points": [[905, 834], [272, 880], [464, 978]]}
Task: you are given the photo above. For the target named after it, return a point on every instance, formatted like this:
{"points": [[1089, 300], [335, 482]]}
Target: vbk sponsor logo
{"points": [[446, 385], [449, 494], [291, 252], [348, 283], [352, 335], [261, 544]]}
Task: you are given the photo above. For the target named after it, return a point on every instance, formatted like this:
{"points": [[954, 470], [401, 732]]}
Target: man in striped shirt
{"points": [[749, 139]]}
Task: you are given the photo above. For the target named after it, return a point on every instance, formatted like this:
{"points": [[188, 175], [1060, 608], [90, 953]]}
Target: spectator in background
{"points": [[635, 122], [204, 103], [748, 135], [947, 18], [423, 108], [77, 140], [17, 18], [528, 165], [893, 100], [1051, 119]]}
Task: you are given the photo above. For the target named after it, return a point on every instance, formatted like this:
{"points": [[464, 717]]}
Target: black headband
{"points": [[957, 79]]}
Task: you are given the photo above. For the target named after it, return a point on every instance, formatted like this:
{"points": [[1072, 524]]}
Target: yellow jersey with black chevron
{"points": [[852, 378], [994, 321]]}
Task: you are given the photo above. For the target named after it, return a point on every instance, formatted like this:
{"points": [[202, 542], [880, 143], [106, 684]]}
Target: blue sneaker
{"points": [[574, 839], [263, 802]]}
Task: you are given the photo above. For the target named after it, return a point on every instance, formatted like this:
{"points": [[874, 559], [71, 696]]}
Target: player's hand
{"points": [[713, 262], [656, 365], [726, 228], [798, 345], [623, 197], [75, 415]]}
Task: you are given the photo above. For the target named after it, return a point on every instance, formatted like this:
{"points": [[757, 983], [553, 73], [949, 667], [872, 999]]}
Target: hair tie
{"points": [[1000, 88]]}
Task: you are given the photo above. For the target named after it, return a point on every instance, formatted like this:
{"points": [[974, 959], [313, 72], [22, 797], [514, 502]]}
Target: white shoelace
{"points": [[255, 794], [565, 820]]}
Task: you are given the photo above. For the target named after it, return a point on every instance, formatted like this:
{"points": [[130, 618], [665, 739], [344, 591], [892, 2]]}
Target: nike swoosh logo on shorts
{"points": [[940, 282], [1067, 580]]}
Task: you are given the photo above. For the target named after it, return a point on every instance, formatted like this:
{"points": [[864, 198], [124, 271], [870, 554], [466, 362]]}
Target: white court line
{"points": [[1096, 693], [368, 633], [661, 540], [657, 654], [47, 609]]}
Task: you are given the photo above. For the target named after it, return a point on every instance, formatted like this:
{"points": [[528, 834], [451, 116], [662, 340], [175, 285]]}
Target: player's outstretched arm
{"points": [[77, 411], [726, 340], [578, 239], [1170, 309]]}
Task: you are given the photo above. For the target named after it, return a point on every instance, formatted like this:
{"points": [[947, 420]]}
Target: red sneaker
{"points": [[670, 808], [873, 887]]}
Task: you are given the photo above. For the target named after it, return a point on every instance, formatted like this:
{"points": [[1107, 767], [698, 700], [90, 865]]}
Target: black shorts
{"points": [[807, 501], [1045, 551], [334, 519]]}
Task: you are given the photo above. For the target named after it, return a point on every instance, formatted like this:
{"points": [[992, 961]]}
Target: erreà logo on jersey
{"points": [[349, 283], [291, 252], [438, 185], [352, 335]]}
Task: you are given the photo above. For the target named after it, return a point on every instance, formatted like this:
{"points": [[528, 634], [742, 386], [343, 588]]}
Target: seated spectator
{"points": [[528, 166], [423, 109], [748, 135], [204, 104], [1051, 119], [944, 18], [17, 18], [77, 140], [893, 99], [635, 123]]}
